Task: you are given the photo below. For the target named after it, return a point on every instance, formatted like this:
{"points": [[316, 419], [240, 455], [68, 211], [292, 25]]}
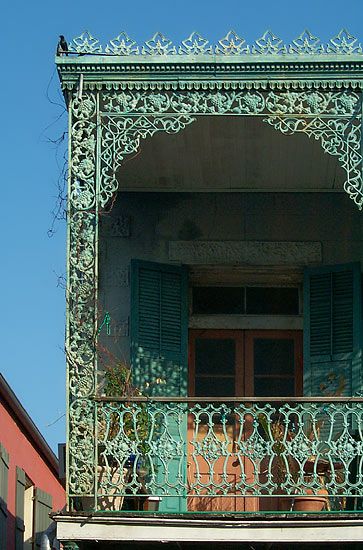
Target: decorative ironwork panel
{"points": [[146, 440], [232, 450], [106, 127], [121, 137], [332, 118], [81, 293]]}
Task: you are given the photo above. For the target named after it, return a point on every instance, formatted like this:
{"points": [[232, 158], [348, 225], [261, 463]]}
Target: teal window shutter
{"points": [[159, 352], [333, 331], [4, 470], [19, 509], [159, 328], [42, 508]]}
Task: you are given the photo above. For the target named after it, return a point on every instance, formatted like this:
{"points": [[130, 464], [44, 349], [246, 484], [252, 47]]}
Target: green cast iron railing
{"points": [[228, 455]]}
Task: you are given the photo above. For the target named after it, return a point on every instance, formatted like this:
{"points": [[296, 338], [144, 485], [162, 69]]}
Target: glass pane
{"points": [[274, 356], [272, 301], [218, 300], [218, 386], [214, 356], [274, 387]]}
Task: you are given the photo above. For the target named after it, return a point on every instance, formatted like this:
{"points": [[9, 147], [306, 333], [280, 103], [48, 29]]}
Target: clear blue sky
{"points": [[32, 306]]}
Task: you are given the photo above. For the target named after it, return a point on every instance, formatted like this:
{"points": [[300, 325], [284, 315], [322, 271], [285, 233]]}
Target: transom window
{"points": [[245, 300]]}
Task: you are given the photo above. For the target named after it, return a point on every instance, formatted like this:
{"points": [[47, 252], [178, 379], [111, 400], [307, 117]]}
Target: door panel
{"points": [[273, 368], [273, 362], [215, 363]]}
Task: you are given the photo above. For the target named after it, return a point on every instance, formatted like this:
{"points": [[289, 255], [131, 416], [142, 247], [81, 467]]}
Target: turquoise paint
{"points": [[332, 355], [159, 340]]}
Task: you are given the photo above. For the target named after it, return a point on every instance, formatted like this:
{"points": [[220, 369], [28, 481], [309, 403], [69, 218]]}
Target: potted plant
{"points": [[313, 499], [130, 426], [310, 478], [282, 465], [316, 500]]}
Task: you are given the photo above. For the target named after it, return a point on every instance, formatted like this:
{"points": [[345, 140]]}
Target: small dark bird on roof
{"points": [[62, 48]]}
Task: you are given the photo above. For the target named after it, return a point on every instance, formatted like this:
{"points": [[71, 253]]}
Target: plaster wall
{"points": [[141, 226], [24, 454]]}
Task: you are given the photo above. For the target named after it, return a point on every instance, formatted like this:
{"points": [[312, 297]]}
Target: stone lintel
{"points": [[245, 252]]}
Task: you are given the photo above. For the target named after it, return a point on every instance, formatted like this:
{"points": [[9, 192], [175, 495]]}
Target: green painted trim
{"points": [[355, 357]]}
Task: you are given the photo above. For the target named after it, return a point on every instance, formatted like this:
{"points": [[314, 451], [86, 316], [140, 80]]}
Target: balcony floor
{"points": [[282, 529]]}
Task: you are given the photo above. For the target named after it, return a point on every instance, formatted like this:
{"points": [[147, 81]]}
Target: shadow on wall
{"points": [[156, 375]]}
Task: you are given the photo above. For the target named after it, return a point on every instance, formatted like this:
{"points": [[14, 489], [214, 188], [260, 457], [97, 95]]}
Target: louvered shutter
{"points": [[42, 509], [333, 331], [19, 509], [4, 469], [159, 329], [159, 324]]}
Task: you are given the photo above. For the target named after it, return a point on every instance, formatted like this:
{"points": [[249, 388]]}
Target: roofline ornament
{"points": [[268, 44]]}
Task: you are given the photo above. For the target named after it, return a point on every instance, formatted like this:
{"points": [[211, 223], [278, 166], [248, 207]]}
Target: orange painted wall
{"points": [[22, 453]]}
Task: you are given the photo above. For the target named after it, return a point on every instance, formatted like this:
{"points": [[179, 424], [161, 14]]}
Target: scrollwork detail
{"points": [[81, 447], [81, 292], [122, 45], [344, 43], [311, 103], [121, 137], [307, 44], [232, 44], [284, 110], [85, 43], [195, 44], [269, 44], [340, 138], [159, 45]]}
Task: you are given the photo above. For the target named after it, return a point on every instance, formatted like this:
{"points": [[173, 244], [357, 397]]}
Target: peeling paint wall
{"points": [[141, 226]]}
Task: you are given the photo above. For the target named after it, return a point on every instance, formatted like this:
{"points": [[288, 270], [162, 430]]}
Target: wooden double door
{"points": [[237, 363], [234, 363]]}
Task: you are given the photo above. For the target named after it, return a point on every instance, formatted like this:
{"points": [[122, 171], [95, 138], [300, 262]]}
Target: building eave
{"points": [[12, 403], [211, 71]]}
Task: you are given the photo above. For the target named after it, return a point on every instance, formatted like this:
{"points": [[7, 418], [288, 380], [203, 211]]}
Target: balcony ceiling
{"points": [[231, 154]]}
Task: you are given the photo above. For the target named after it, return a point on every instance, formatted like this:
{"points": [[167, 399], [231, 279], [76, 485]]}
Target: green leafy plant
{"points": [[279, 433], [131, 419]]}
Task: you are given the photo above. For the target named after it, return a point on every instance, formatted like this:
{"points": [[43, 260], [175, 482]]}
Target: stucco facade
{"points": [[161, 226], [30, 485]]}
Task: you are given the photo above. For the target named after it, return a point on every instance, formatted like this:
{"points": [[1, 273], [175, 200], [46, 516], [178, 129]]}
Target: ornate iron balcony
{"points": [[227, 455]]}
